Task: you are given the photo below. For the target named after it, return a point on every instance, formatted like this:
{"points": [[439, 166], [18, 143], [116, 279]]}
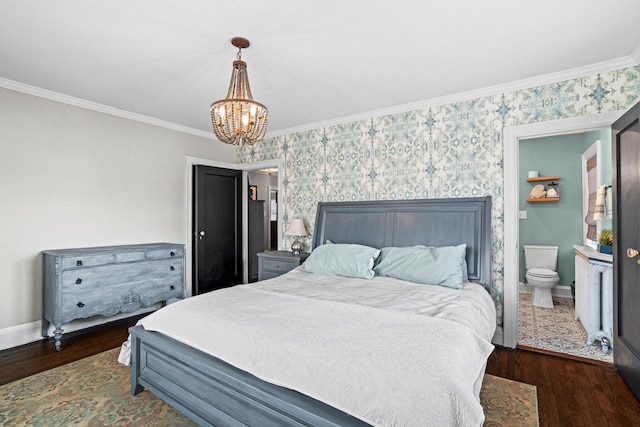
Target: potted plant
{"points": [[605, 241]]}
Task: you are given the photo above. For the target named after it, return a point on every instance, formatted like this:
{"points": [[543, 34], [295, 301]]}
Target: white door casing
{"points": [[512, 135], [188, 207]]}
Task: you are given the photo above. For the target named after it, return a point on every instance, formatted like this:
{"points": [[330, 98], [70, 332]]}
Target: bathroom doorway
{"points": [[273, 218], [262, 224], [507, 333], [550, 213]]}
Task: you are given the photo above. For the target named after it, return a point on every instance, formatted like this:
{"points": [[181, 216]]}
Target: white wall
{"points": [[71, 177]]}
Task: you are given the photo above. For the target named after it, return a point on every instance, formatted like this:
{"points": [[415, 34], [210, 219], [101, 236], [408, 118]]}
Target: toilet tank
{"points": [[536, 256]]}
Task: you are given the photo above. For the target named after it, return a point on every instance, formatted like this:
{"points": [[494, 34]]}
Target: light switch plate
{"points": [[522, 214]]}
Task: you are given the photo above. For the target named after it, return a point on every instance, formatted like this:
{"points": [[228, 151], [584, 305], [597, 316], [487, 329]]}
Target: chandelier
{"points": [[238, 119]]}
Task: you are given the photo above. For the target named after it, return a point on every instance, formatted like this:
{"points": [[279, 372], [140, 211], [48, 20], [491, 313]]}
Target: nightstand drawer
{"points": [[275, 263], [278, 265], [266, 274]]}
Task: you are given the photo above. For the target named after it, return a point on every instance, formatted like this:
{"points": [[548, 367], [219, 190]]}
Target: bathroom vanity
{"points": [[594, 294]]}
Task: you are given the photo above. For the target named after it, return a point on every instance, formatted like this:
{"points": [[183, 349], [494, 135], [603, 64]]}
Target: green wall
{"points": [[557, 223]]}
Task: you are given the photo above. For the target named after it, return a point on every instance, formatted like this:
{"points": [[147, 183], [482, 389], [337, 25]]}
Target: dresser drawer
{"points": [[82, 302], [86, 261], [164, 253], [106, 275], [278, 265], [130, 256]]}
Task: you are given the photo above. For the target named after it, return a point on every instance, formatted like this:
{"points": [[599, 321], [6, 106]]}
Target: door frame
{"points": [[188, 208], [511, 137]]}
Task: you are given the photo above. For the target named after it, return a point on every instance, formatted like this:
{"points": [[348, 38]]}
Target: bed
{"points": [[323, 350]]}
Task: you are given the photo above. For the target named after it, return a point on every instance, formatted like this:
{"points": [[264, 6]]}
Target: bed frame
{"points": [[214, 393]]}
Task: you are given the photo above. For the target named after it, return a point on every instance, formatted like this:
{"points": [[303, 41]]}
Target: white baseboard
{"points": [[560, 291], [26, 333], [498, 338], [20, 334]]}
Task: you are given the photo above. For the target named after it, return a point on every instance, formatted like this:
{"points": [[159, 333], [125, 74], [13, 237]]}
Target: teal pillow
{"points": [[342, 259], [424, 264]]}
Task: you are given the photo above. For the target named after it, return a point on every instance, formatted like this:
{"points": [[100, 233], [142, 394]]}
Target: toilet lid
{"points": [[542, 272]]}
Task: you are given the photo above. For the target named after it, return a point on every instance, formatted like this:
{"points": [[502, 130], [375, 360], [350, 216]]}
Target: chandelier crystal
{"points": [[238, 119]]}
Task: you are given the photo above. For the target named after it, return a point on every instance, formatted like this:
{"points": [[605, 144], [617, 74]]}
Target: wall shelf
{"points": [[542, 199], [540, 179], [544, 178]]}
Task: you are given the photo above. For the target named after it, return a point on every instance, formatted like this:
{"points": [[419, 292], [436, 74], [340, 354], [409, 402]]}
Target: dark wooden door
{"points": [[626, 228], [217, 232]]}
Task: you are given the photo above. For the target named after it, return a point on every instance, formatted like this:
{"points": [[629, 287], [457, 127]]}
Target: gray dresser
{"points": [[85, 282]]}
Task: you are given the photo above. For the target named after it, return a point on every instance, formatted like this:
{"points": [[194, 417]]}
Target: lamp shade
{"points": [[296, 228]]}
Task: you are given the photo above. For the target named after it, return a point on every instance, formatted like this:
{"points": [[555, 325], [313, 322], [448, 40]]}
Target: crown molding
{"points": [[601, 67], [636, 54], [94, 106]]}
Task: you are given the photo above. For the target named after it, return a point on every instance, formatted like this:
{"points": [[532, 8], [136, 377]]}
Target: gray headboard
{"points": [[431, 222]]}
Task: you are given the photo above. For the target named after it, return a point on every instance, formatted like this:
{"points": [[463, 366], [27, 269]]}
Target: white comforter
{"points": [[386, 351]]}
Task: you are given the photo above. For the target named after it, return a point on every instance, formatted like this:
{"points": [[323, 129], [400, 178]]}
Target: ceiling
{"points": [[309, 62]]}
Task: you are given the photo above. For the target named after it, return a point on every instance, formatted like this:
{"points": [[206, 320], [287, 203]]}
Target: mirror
{"points": [[273, 218]]}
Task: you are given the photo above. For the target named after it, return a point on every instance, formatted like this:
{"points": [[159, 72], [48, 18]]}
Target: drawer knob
{"points": [[172, 287], [277, 265], [172, 253], [172, 268], [78, 281], [79, 263], [80, 304]]}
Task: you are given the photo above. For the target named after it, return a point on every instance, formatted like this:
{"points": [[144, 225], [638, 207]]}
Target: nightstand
{"points": [[274, 263]]}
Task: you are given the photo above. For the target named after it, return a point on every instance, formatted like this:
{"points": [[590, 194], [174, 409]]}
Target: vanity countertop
{"points": [[591, 253]]}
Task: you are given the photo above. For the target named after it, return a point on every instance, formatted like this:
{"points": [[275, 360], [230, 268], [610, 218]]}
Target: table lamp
{"points": [[297, 228]]}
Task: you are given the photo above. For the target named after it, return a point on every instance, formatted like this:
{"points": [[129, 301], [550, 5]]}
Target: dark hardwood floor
{"points": [[570, 392], [29, 359]]}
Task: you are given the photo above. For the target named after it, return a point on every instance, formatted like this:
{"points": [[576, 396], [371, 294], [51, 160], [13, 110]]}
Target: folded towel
{"points": [[608, 204], [598, 214]]}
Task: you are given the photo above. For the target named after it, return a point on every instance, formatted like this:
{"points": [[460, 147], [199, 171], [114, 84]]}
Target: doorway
{"points": [[507, 335], [551, 217], [261, 228], [190, 162], [217, 228]]}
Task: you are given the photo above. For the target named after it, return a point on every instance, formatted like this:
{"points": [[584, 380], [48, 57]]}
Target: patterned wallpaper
{"points": [[452, 150]]}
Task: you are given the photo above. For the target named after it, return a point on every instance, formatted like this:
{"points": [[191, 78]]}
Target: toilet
{"points": [[541, 263]]}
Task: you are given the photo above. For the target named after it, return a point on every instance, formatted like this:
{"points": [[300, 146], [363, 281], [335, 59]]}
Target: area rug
{"points": [[95, 392]]}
